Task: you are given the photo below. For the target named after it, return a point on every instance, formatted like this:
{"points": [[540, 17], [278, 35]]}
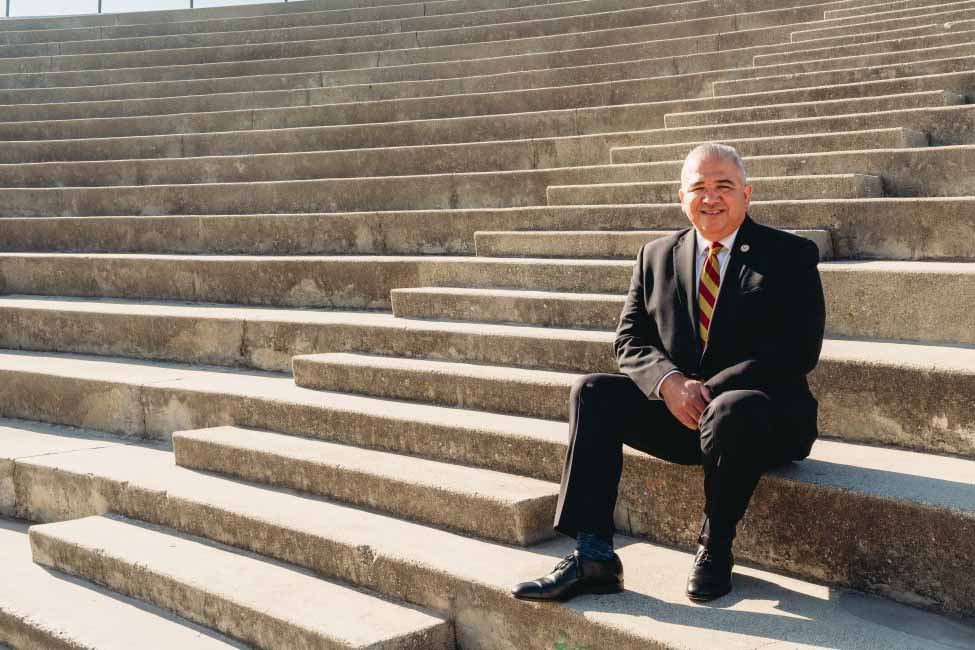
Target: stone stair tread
{"points": [[558, 26], [429, 106], [482, 502], [51, 610], [276, 387], [845, 105], [751, 178], [472, 481], [276, 606], [201, 141], [866, 351], [255, 313], [945, 358], [511, 374], [655, 575], [500, 292], [217, 70], [102, 95]]}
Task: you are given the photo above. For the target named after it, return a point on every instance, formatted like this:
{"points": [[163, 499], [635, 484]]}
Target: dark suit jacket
{"points": [[767, 329]]}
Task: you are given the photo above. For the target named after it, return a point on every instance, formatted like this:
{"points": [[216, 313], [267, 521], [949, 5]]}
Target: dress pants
{"points": [[736, 443]]}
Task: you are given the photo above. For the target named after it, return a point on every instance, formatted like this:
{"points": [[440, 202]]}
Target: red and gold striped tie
{"points": [[708, 292]]}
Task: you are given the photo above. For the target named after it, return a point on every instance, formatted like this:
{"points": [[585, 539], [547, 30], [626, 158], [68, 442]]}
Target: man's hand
{"points": [[686, 398]]}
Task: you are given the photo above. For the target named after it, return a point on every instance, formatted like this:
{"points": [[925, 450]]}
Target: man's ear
{"points": [[748, 194], [680, 196]]}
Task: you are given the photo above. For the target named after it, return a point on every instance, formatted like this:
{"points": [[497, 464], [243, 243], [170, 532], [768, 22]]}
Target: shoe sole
{"points": [[707, 599], [597, 591]]}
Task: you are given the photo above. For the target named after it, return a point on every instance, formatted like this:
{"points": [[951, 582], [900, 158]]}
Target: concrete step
{"points": [[847, 379], [522, 306], [49, 610], [604, 244], [408, 101], [464, 576], [833, 186], [267, 90], [265, 603], [568, 149], [814, 109], [437, 29], [889, 20], [945, 126], [536, 36], [524, 155], [670, 56], [905, 172], [810, 50], [866, 379], [436, 191], [822, 74], [488, 504], [397, 17], [560, 186], [880, 7], [601, 126], [893, 138], [223, 12], [913, 228], [462, 385], [361, 37], [365, 282]]}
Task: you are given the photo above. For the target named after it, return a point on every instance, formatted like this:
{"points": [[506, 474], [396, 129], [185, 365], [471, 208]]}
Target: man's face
{"points": [[714, 197]]}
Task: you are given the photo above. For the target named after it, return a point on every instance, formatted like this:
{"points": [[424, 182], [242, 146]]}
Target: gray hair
{"points": [[712, 150]]}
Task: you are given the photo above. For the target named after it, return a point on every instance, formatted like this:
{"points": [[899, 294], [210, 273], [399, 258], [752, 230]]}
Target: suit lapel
{"points": [[684, 271]]}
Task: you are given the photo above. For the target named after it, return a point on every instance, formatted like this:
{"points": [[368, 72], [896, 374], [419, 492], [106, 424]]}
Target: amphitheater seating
{"points": [[293, 296]]}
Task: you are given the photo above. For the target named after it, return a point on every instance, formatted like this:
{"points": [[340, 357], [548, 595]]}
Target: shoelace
{"points": [[564, 562], [704, 558]]}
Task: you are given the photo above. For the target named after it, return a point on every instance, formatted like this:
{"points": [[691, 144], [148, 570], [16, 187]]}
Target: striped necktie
{"points": [[708, 292]]}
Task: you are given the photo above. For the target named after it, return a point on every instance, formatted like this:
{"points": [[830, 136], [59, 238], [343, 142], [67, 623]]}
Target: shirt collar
{"points": [[703, 244]]}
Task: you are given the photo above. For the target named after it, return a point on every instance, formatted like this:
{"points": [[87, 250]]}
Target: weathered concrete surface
{"points": [[896, 138], [33, 97], [439, 570], [600, 126], [98, 399], [298, 82], [464, 385], [489, 504], [814, 109], [824, 186], [591, 243], [549, 112], [916, 228], [272, 606], [47, 610], [328, 282]]}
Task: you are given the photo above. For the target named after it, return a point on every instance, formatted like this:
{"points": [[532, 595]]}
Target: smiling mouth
{"points": [[712, 213]]}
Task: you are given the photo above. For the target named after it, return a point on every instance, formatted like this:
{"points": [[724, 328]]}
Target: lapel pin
{"points": [[745, 248]]}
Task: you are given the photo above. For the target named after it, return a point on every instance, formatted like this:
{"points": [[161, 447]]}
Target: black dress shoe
{"points": [[573, 576], [711, 574]]}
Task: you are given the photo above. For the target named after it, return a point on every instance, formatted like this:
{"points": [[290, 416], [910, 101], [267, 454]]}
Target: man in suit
{"points": [[721, 324]]}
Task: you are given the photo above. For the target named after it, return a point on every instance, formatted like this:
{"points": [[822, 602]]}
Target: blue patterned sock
{"points": [[594, 547]]}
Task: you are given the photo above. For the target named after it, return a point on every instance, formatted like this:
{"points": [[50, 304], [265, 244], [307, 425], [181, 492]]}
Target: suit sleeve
{"points": [[791, 348], [639, 351]]}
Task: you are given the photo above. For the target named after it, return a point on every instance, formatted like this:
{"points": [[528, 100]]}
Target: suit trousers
{"points": [[736, 443]]}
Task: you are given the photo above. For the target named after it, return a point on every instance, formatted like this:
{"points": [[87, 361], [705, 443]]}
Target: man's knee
{"points": [[591, 389], [728, 421]]}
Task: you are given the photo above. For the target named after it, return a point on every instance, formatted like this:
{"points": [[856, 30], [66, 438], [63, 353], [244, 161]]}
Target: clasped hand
{"points": [[686, 398]]}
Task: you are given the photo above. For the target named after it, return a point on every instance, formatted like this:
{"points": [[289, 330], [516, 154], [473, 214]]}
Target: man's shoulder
{"points": [[783, 244], [663, 246]]}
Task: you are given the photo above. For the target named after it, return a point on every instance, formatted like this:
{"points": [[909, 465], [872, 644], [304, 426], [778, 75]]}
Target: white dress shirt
{"points": [[701, 255]]}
